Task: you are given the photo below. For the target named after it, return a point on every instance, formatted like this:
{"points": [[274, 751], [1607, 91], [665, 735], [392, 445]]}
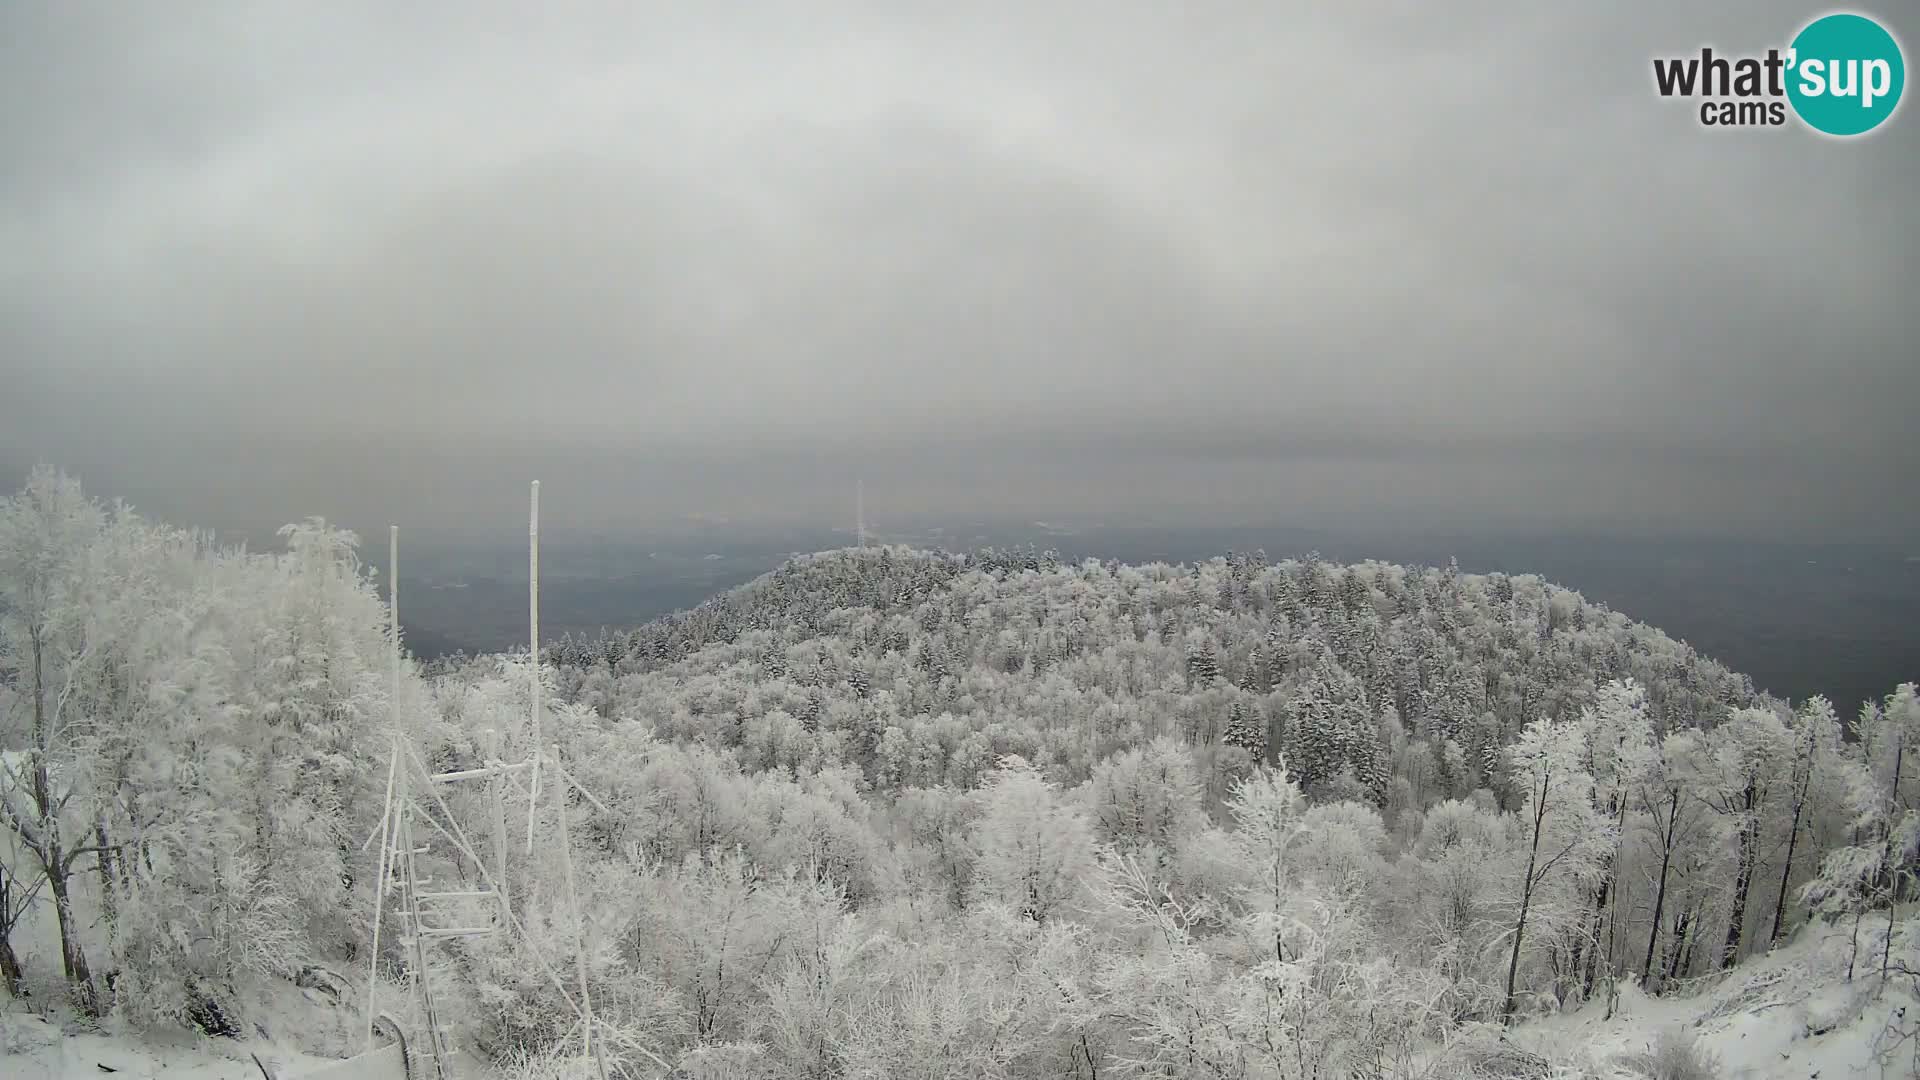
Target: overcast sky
{"points": [[1244, 261]]}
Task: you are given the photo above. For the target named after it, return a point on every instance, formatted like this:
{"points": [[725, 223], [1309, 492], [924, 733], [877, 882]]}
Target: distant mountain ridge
{"points": [[1800, 619], [968, 657]]}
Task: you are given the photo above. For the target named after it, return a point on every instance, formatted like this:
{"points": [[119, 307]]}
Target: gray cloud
{"points": [[263, 260]]}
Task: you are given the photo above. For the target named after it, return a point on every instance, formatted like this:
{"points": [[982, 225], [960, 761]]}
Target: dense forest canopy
{"points": [[886, 812], [1064, 664]]}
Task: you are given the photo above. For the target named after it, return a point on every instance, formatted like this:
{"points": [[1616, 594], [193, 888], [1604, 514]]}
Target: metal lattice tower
{"points": [[416, 821], [419, 823]]}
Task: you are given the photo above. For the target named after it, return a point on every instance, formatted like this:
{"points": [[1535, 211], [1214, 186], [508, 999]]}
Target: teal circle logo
{"points": [[1845, 74]]}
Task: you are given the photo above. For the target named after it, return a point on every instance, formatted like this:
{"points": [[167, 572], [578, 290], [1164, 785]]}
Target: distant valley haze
{"points": [[1131, 272], [1800, 618]]}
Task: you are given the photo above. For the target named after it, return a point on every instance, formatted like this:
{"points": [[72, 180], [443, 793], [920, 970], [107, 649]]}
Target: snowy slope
{"points": [[32, 1048], [1789, 1014], [300, 1033], [297, 1030]]}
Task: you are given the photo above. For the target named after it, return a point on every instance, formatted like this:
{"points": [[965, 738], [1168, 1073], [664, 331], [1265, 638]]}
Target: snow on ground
{"points": [[34, 1048], [1788, 1015], [296, 1031]]}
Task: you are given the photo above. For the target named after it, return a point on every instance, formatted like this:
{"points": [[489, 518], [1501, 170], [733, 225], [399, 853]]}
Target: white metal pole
{"points": [[393, 617], [380, 889], [497, 792], [579, 917], [533, 643], [393, 765]]}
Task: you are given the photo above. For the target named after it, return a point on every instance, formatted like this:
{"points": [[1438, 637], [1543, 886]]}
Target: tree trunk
{"points": [[1589, 941], [10, 974], [72, 957], [1519, 931], [1526, 902], [1786, 872], [1886, 862], [1660, 891], [52, 857], [1677, 947], [9, 963], [1742, 880], [109, 882], [1577, 949], [1593, 953], [1691, 938], [1613, 952]]}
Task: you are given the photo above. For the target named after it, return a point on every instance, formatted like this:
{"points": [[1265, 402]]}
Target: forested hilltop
{"points": [[899, 813], [1395, 684]]}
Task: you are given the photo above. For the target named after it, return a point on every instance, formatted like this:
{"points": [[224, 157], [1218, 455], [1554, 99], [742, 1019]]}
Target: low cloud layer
{"points": [[388, 262]]}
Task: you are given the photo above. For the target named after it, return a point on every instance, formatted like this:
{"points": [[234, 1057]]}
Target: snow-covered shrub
{"points": [[1674, 1055]]}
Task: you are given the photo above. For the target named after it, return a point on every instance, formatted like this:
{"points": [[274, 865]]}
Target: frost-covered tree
{"points": [[1565, 838], [1884, 867], [1034, 845], [1146, 798], [1246, 729], [1819, 763], [1268, 813], [1452, 910], [1203, 662], [1752, 754], [1342, 851], [49, 644], [1619, 752], [309, 681], [1675, 837], [17, 894]]}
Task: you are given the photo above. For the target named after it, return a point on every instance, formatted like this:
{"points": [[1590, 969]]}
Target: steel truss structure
{"points": [[417, 822]]}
